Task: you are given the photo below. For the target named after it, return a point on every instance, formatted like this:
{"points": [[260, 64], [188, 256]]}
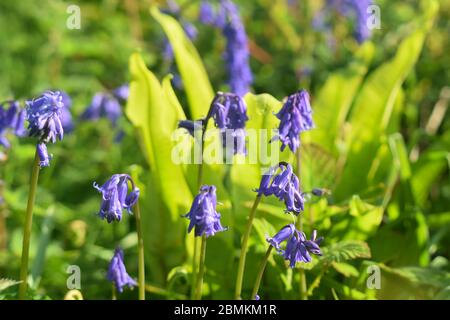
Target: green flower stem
{"points": [[201, 270], [303, 284], [241, 266], [141, 260], [27, 228], [194, 265], [261, 272], [113, 292]]}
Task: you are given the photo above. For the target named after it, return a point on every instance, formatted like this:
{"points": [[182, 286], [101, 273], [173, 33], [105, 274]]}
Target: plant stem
{"points": [[261, 272], [201, 270], [303, 284], [194, 266], [141, 261], [114, 295], [27, 228], [241, 266]]}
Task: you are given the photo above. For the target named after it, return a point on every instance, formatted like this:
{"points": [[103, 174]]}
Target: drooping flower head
{"points": [[282, 182], [122, 92], [12, 119], [229, 112], [44, 117], [115, 197], [203, 215], [297, 249], [295, 117], [117, 273], [236, 54]]}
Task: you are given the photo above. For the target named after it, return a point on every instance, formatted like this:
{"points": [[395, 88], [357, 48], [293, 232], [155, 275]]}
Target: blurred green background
{"points": [[381, 146]]}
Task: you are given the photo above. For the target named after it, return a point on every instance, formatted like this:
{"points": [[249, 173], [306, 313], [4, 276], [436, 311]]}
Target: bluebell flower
{"points": [[44, 122], [236, 54], [115, 197], [295, 117], [103, 105], [12, 119], [282, 182], [44, 117], [229, 113], [257, 297], [203, 215], [117, 273], [297, 249], [284, 234]]}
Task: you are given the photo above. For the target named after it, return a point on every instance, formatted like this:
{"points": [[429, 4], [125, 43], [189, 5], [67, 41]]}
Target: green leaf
{"points": [[421, 276], [361, 221], [373, 107], [195, 78], [332, 103], [153, 109], [344, 251]]}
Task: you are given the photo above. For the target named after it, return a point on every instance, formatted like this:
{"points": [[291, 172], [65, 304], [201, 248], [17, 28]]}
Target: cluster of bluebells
{"points": [[295, 117], [229, 112], [44, 122], [107, 105], [298, 248], [282, 182], [354, 9], [117, 273], [236, 55], [12, 119], [116, 197], [204, 218]]}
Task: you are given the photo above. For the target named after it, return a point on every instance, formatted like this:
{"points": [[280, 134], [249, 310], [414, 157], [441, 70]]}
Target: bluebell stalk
{"points": [[12, 119], [205, 221], [117, 272], [236, 55], [44, 118], [295, 117], [115, 197]]}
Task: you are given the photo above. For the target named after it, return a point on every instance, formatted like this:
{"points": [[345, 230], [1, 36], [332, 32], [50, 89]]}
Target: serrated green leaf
{"points": [[345, 250], [6, 283]]}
